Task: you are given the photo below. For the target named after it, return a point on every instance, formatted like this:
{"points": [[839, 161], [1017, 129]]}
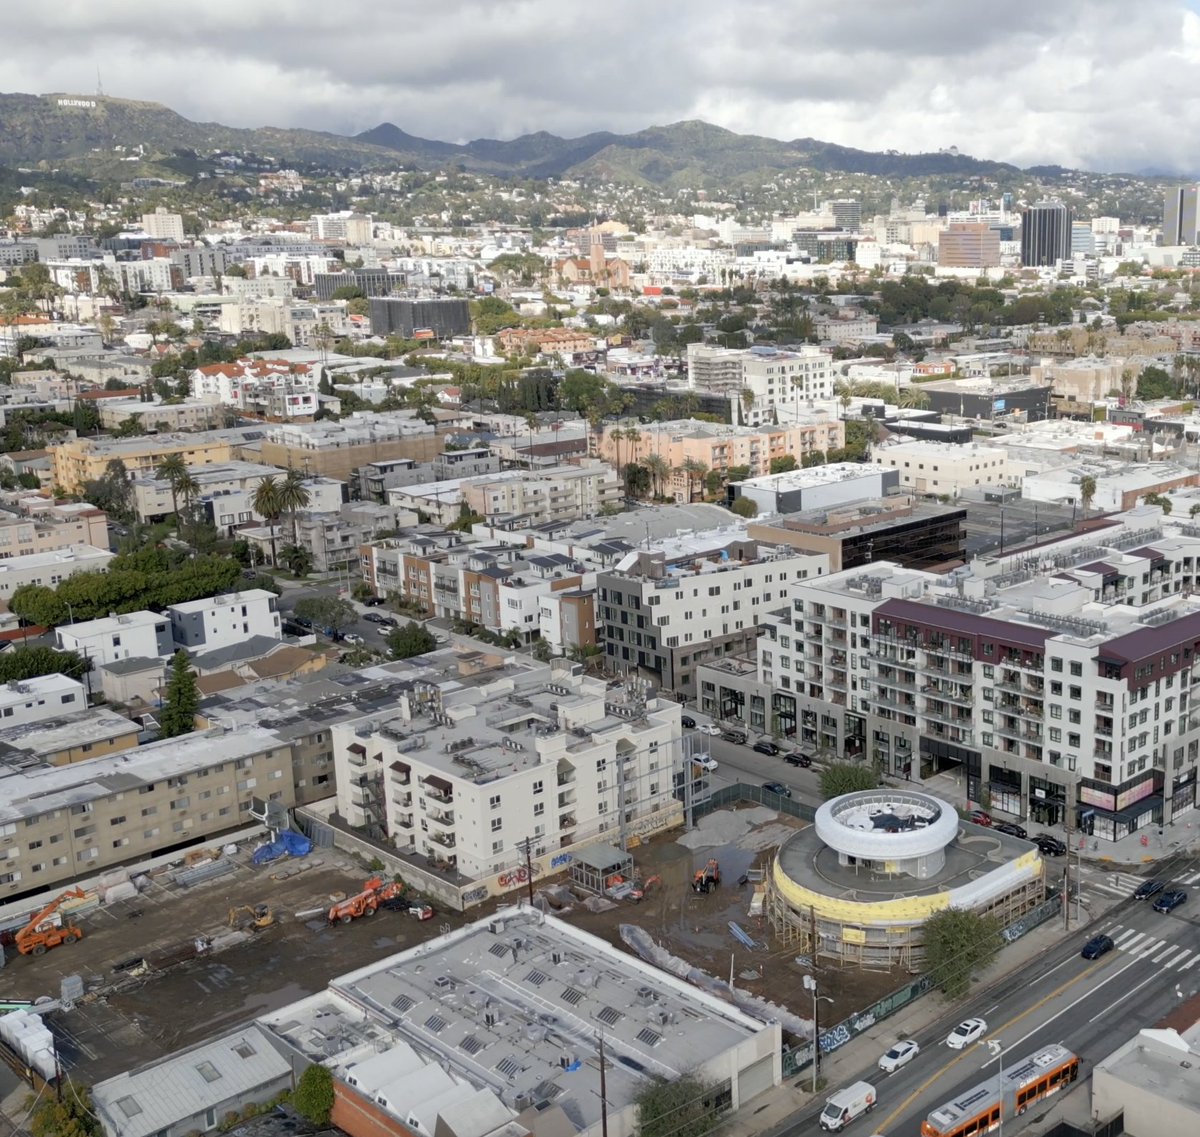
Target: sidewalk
{"points": [[772, 1110]]}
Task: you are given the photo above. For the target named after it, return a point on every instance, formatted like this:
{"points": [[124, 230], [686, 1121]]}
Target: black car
{"points": [[765, 746], [688, 721], [1050, 846], [293, 628], [374, 618], [1171, 900], [302, 621], [1011, 829], [390, 621], [1149, 888], [798, 758], [777, 788], [374, 601], [737, 736], [1097, 946]]}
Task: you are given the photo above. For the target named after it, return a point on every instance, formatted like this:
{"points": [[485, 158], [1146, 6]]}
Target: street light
{"points": [[810, 984], [996, 1049]]}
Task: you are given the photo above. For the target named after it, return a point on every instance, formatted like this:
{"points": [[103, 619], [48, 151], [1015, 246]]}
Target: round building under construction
{"points": [[858, 885]]}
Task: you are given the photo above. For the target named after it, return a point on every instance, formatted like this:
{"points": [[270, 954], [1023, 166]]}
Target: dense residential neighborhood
{"points": [[499, 640]]}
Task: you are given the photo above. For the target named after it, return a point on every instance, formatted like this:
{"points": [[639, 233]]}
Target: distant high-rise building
{"points": [[1045, 234], [1181, 215], [969, 245], [163, 225], [847, 214]]}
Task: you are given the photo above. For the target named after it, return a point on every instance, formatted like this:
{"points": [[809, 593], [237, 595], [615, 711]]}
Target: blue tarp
{"points": [[289, 844]]}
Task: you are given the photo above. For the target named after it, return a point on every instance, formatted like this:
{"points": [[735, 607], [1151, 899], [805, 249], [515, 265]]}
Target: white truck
{"points": [[846, 1105]]}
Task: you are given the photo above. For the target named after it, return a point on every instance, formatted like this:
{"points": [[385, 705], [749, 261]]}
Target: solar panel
{"points": [[649, 1037], [571, 995], [609, 1015], [537, 978], [436, 1023], [471, 1045], [403, 1003]]}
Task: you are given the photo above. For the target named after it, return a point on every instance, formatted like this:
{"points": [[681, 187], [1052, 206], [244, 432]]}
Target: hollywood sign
{"points": [[86, 103]]}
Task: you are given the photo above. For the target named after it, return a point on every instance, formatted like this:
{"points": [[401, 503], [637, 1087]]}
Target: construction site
{"points": [[175, 963]]}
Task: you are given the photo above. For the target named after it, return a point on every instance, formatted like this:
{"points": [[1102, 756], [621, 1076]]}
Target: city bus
{"points": [[981, 1108]]}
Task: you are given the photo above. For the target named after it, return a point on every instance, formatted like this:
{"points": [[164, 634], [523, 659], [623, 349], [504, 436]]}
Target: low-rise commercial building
{"points": [[943, 469], [818, 487]]}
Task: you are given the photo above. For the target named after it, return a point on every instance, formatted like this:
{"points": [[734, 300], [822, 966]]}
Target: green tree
{"points": [[744, 507], [846, 778], [1087, 492], [327, 612], [714, 482], [68, 1115], [659, 470], [695, 471], [182, 698], [783, 464], [581, 391], [958, 943], [409, 640], [682, 1107], [293, 497], [1155, 383], [172, 469], [267, 505], [313, 1096], [29, 662], [296, 559]]}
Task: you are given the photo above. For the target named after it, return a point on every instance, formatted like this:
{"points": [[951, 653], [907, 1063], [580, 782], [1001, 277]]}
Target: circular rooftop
{"points": [[887, 825]]}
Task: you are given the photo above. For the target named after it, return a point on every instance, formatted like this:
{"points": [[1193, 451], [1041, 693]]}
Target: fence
{"points": [[732, 795], [1034, 918]]}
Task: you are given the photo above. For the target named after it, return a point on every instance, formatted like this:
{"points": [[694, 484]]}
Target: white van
{"points": [[846, 1105]]}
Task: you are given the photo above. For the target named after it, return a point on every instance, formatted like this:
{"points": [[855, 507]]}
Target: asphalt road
{"points": [[369, 630], [1089, 1007]]}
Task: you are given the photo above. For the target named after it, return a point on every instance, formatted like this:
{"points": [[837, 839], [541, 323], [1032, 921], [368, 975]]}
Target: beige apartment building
{"points": [[564, 493], [51, 529], [82, 460], [968, 245], [61, 822], [716, 446]]}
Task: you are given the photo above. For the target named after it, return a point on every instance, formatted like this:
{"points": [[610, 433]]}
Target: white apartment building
{"points": [[49, 568], [763, 384], [229, 508], [41, 698], [152, 496], [562, 493], [133, 635], [466, 773], [249, 288], [163, 225], [693, 599], [221, 621], [944, 468], [345, 227], [301, 322]]}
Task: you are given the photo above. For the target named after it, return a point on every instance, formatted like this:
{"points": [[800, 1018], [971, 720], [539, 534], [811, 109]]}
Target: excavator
{"points": [[260, 916], [707, 878], [46, 929], [374, 893]]}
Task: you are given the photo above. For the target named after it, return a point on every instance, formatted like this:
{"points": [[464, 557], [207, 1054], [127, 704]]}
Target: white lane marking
{"points": [[1128, 945], [1191, 963], [1124, 997], [1045, 974], [1119, 940], [1175, 952], [1148, 948]]}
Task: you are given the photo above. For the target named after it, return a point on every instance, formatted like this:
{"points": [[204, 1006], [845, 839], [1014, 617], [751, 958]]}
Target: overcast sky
{"points": [[1104, 84]]}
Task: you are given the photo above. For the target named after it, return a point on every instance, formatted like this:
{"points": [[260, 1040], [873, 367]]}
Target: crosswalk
{"points": [[1144, 945], [1125, 884]]}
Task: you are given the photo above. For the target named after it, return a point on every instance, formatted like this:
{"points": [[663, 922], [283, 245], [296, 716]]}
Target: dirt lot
{"points": [[113, 1030]]}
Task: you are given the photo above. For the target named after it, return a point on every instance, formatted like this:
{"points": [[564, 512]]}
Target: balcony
{"points": [[943, 712], [950, 692], [404, 820], [566, 821], [358, 759], [904, 704], [404, 801], [444, 818], [566, 798], [446, 840], [905, 683]]}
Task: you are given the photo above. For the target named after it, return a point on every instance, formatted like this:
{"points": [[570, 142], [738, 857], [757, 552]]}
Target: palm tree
{"points": [[659, 468], [298, 560], [633, 436], [1087, 491], [267, 506], [173, 470], [187, 488], [695, 471], [913, 398], [293, 496]]}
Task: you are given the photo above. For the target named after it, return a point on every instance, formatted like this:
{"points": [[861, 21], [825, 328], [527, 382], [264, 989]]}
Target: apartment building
{"points": [[223, 621], [163, 225], [133, 635], [561, 493], [337, 449], [567, 620], [75, 734], [545, 341], [717, 446], [152, 499], [38, 699], [944, 469], [162, 418], [969, 245], [304, 324], [51, 529], [763, 384], [465, 772], [65, 821], [50, 568], [691, 599], [275, 390], [373, 480], [79, 460]]}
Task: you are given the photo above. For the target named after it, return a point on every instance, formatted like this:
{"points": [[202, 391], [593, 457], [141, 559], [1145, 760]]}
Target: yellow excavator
{"points": [[260, 916]]}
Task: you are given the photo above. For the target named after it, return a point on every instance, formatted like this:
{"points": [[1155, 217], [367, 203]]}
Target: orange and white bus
{"points": [[981, 1108]]}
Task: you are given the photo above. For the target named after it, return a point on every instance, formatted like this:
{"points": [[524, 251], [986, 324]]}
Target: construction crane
{"points": [[46, 929], [707, 878], [374, 893], [260, 916]]}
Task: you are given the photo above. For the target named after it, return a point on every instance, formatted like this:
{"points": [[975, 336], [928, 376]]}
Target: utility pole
{"points": [[1067, 868], [603, 1093], [528, 844]]}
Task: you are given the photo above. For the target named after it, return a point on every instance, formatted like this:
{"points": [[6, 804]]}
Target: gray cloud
{"points": [[1099, 83]]}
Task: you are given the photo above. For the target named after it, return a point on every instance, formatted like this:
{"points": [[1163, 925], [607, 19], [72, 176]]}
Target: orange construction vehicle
{"points": [[374, 893], [707, 878], [46, 930]]}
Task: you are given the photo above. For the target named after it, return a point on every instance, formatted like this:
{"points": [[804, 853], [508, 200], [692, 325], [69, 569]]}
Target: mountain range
{"points": [[79, 132]]}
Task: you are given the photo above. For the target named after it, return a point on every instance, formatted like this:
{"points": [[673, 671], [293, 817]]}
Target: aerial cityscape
{"points": [[545, 595]]}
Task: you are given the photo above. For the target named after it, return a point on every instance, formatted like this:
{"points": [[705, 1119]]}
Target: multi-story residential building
{"points": [[162, 418], [763, 384], [233, 508], [152, 497], [466, 772], [818, 487], [944, 469], [561, 493], [221, 621], [343, 227], [969, 245], [270, 389], [49, 569], [51, 527], [41, 698], [437, 318], [373, 480], [133, 635], [547, 341], [567, 620], [85, 817], [369, 281], [80, 460], [200, 261], [337, 449], [332, 539], [164, 225], [719, 447], [691, 599], [846, 328], [73, 735], [305, 324]]}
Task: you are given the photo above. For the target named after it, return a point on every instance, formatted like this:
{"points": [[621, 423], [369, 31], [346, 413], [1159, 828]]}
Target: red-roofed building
{"points": [[268, 388]]}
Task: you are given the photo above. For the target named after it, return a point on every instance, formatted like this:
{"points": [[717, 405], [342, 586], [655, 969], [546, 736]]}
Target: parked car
{"points": [[738, 736], [980, 817], [765, 746], [1149, 888], [1050, 846], [709, 728], [798, 758], [1170, 900], [374, 618], [1011, 829], [777, 788], [967, 1032], [847, 1105], [293, 628], [303, 621], [438, 637], [706, 763], [374, 601], [688, 721], [1097, 946], [353, 638], [900, 1055]]}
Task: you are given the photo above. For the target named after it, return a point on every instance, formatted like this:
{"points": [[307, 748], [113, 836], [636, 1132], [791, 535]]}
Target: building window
{"points": [[497, 824]]}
